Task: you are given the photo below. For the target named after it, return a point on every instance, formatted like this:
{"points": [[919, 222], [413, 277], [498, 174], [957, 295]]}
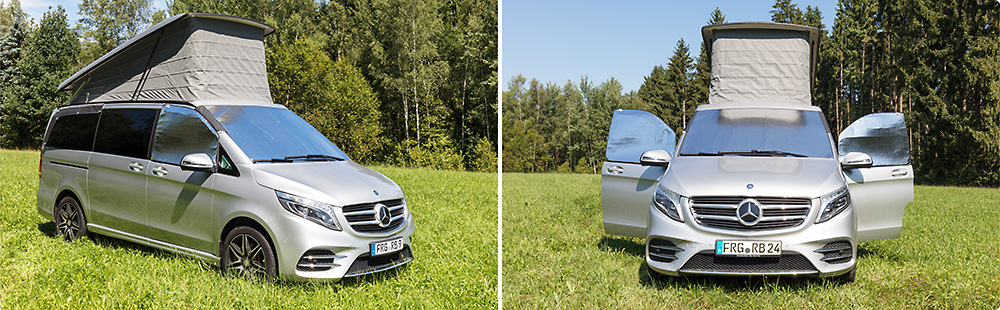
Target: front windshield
{"points": [[267, 134], [757, 132]]}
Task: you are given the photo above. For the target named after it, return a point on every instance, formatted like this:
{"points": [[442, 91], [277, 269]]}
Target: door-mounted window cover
{"points": [[633, 132], [181, 131], [882, 136]]}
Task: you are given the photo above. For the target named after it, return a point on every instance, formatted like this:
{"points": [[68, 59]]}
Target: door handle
{"points": [[899, 173], [159, 171], [616, 169], [135, 166]]}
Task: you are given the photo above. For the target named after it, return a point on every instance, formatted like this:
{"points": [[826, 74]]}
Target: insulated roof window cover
{"points": [[190, 57], [760, 65]]}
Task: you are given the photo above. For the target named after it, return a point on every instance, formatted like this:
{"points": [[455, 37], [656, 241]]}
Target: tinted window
{"points": [[264, 133], [125, 132], [181, 131], [74, 132], [746, 130]]}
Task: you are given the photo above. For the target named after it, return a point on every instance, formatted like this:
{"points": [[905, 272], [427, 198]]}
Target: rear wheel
{"points": [[69, 219], [247, 253]]}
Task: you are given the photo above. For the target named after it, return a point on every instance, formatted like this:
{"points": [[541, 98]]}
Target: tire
{"points": [[71, 224], [847, 277], [247, 253]]}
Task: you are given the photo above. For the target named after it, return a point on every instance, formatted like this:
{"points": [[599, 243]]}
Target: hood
{"points": [[770, 176], [339, 183]]}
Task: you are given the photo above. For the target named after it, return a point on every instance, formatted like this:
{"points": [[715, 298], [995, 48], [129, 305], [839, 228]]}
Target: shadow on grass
{"points": [[864, 252], [49, 229], [729, 284], [622, 244]]}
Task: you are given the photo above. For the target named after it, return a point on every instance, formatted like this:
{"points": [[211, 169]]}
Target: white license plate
{"points": [[747, 248], [386, 247]]}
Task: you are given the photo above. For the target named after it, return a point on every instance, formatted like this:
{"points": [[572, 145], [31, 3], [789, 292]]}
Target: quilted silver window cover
{"points": [[760, 65], [188, 57], [181, 131], [882, 136], [633, 132]]}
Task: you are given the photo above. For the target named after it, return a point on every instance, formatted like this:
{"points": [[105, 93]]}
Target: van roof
{"points": [[188, 57]]}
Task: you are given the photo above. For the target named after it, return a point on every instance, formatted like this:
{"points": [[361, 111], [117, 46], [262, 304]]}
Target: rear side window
{"points": [[125, 132], [181, 131], [73, 132]]}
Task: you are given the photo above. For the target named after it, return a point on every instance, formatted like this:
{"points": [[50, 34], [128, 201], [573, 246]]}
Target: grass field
{"points": [[556, 255], [455, 262]]}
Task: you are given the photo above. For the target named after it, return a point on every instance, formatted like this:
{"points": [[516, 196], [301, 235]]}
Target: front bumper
{"points": [[675, 248], [348, 252]]}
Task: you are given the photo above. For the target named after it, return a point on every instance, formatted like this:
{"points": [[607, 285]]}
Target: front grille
{"points": [[663, 250], [366, 264], [776, 212], [362, 219], [317, 260], [837, 252], [706, 261]]}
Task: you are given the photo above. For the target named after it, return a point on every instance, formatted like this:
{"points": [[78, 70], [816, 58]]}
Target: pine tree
{"points": [[678, 73], [47, 58]]}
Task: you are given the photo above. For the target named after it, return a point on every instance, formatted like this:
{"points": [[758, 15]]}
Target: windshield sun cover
{"points": [[753, 131], [267, 133]]}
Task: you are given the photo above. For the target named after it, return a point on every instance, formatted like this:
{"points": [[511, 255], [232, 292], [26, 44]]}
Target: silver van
{"points": [[246, 184], [757, 184]]}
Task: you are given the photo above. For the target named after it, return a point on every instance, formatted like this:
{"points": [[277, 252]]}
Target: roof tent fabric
{"points": [[761, 62], [188, 57]]}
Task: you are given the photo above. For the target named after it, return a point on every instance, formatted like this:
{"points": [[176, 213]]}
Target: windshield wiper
{"points": [[272, 160], [314, 157], [760, 152], [700, 154]]}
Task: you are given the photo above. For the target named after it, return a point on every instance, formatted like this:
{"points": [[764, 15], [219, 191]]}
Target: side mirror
{"points": [[855, 160], [197, 162], [654, 158]]}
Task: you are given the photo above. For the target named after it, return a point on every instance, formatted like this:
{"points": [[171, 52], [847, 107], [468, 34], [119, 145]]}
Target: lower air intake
{"points": [[366, 263], [662, 250], [706, 261]]}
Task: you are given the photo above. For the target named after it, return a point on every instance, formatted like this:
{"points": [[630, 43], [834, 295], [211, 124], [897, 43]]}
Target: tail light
{"points": [[40, 163]]}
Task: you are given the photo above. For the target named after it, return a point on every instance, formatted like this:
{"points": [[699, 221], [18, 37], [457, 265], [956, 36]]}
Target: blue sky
{"points": [[35, 8], [557, 41]]}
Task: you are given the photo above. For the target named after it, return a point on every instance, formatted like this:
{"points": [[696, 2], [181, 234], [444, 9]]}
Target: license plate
{"points": [[747, 248], [386, 247]]}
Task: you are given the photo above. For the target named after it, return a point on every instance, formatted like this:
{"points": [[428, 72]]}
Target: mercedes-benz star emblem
{"points": [[749, 212], [382, 215]]}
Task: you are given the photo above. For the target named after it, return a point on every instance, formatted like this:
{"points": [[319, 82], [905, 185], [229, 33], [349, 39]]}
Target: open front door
{"points": [[627, 187], [879, 193]]}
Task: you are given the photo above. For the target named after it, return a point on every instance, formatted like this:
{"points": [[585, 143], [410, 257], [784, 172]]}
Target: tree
{"points": [[786, 12], [107, 23], [13, 31], [47, 58], [332, 96]]}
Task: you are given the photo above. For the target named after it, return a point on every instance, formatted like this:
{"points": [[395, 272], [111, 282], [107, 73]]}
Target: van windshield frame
{"points": [[275, 134], [758, 132]]}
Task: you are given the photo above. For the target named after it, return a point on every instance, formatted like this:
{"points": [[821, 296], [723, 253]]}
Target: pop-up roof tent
{"points": [[188, 57], [761, 62]]}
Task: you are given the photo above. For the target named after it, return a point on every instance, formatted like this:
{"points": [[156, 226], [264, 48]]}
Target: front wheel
{"points": [[69, 219], [847, 277], [247, 253]]}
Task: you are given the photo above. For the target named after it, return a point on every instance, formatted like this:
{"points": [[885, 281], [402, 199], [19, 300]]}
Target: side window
{"points": [[181, 131], [125, 132], [73, 132]]}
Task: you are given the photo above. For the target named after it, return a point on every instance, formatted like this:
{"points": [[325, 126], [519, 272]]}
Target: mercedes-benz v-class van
{"points": [[171, 141]]}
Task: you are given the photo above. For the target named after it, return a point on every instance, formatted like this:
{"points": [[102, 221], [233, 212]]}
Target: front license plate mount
{"points": [[386, 247], [747, 248]]}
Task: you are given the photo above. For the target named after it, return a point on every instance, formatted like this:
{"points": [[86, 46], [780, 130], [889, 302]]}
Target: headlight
{"points": [[833, 203], [312, 210], [667, 201]]}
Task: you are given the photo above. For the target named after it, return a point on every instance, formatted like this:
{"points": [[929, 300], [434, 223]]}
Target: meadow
{"points": [[455, 264], [557, 256]]}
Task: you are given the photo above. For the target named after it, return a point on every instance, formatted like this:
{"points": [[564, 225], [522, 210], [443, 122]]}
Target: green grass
{"points": [[556, 255], [455, 262]]}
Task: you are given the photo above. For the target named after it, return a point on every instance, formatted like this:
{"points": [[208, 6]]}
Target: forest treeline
{"points": [[938, 62], [399, 82]]}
